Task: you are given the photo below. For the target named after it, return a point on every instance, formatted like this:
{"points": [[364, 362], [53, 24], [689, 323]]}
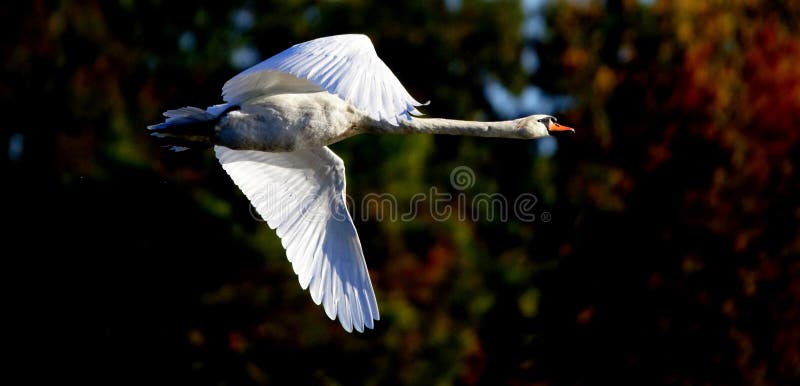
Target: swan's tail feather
{"points": [[187, 127]]}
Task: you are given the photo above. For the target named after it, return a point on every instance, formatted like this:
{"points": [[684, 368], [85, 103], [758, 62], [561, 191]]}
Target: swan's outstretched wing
{"points": [[301, 195], [344, 65]]}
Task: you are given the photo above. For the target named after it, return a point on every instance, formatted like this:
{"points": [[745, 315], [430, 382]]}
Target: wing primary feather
{"points": [[330, 289], [342, 311], [357, 311], [307, 253], [310, 270], [315, 252], [320, 276], [298, 240]]}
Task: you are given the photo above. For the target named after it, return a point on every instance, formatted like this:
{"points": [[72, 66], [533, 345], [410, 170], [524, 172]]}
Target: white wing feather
{"points": [[301, 195], [344, 65]]}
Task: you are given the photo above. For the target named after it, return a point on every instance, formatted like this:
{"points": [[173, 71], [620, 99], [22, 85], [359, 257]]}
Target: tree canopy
{"points": [[663, 244]]}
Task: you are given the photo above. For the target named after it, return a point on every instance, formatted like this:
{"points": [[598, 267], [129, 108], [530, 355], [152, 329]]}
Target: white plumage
{"points": [[344, 65], [271, 137], [301, 195]]}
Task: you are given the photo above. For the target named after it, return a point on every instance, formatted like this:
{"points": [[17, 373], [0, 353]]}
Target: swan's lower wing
{"points": [[301, 195]]}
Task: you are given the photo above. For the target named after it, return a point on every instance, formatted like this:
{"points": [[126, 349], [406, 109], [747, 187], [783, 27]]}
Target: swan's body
{"points": [[289, 122], [271, 137]]}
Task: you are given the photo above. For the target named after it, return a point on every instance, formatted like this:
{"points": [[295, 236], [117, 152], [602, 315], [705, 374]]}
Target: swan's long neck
{"points": [[503, 129]]}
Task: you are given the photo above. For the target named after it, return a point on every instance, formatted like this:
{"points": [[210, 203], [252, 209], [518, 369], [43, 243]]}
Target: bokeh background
{"points": [[671, 257]]}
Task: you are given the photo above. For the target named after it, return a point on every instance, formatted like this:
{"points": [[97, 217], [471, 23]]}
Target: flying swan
{"points": [[271, 137]]}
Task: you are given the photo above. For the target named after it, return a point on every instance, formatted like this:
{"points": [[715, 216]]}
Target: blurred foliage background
{"points": [[671, 257]]}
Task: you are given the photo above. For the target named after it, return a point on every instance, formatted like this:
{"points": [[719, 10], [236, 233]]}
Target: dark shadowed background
{"points": [[664, 248]]}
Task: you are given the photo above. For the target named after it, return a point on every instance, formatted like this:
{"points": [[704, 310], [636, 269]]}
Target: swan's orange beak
{"points": [[555, 127]]}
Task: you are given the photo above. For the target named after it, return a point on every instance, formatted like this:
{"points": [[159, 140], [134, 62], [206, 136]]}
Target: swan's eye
{"points": [[545, 120]]}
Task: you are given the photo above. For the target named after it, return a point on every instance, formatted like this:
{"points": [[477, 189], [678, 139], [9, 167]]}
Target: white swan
{"points": [[271, 137]]}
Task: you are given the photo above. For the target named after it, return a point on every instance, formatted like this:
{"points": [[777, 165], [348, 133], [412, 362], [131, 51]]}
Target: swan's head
{"points": [[541, 125]]}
